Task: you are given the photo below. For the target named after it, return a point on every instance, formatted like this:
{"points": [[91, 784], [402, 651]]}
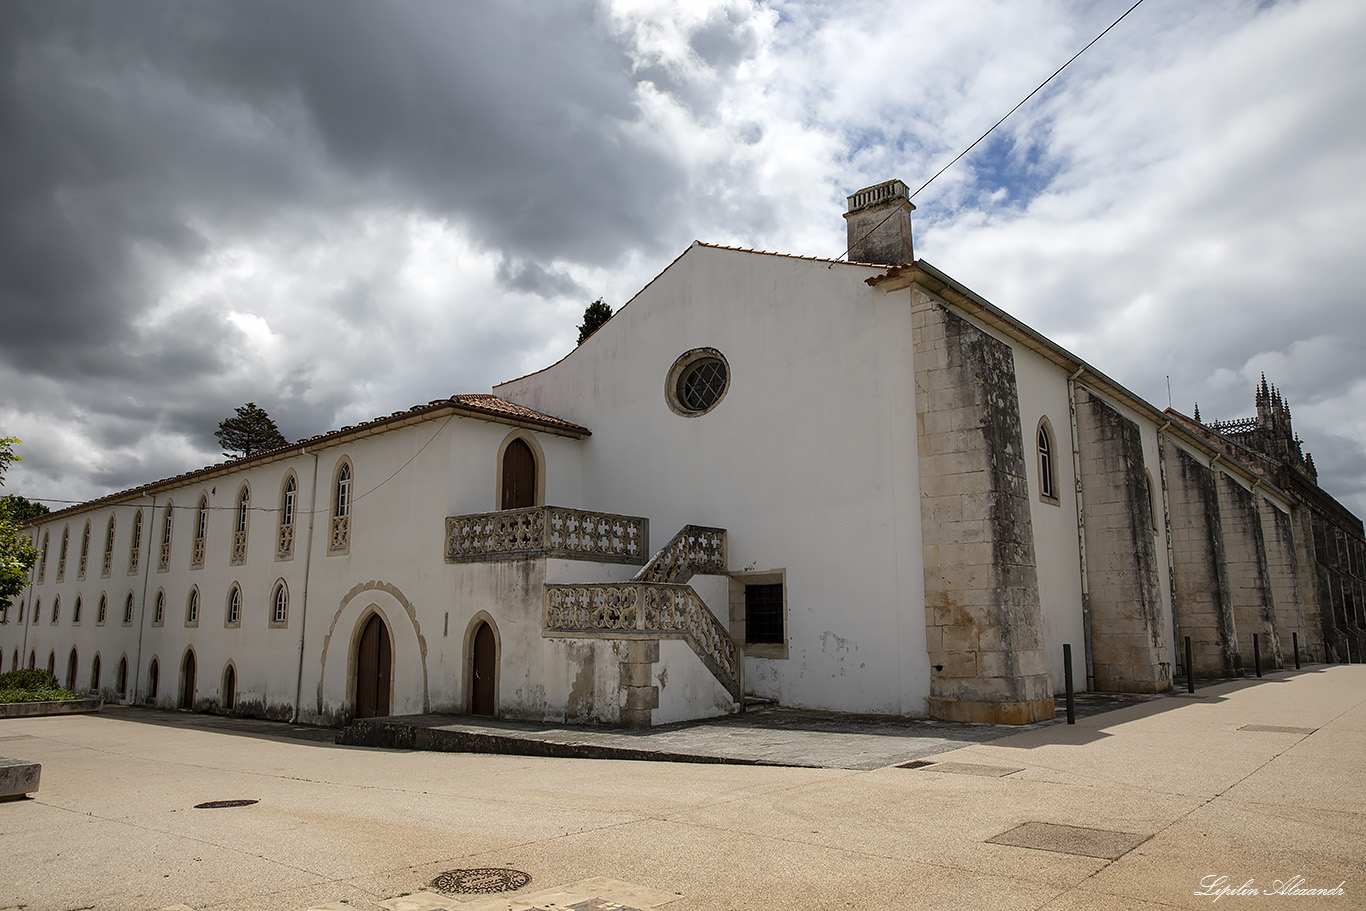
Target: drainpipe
{"points": [[1171, 553], [303, 609], [1081, 530], [142, 608]]}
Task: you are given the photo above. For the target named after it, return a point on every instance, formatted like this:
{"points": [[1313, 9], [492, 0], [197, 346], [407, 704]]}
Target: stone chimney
{"points": [[879, 222]]}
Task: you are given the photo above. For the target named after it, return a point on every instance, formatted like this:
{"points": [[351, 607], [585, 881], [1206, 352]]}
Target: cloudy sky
{"points": [[341, 209]]}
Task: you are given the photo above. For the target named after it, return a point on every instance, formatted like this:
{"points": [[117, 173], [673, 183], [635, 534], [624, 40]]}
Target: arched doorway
{"points": [[153, 679], [121, 679], [519, 475], [374, 669], [187, 682], [71, 671], [483, 672], [229, 688]]}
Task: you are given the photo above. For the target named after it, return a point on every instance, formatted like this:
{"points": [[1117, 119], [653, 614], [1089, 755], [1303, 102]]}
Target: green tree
{"points": [[250, 431], [594, 316], [23, 510], [16, 553]]}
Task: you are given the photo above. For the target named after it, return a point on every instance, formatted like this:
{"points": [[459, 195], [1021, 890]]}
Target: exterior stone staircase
{"points": [[657, 603]]}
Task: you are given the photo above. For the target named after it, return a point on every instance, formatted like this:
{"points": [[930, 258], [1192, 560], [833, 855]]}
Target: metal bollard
{"points": [[1067, 678], [1257, 653], [1190, 668], [1296, 638]]}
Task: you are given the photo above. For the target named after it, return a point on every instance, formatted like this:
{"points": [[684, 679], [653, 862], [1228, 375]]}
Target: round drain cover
{"points": [[481, 881], [220, 804]]}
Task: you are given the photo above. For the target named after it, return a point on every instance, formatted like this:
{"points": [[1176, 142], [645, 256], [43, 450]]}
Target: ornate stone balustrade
{"points": [[284, 545], [197, 554], [550, 531], [644, 610], [164, 559], [695, 549], [239, 548]]}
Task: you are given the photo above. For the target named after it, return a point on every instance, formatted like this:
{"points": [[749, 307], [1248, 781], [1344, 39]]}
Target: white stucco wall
{"points": [[809, 461]]}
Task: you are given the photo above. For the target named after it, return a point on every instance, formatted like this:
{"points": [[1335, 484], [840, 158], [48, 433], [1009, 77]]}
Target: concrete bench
{"points": [[18, 777]]}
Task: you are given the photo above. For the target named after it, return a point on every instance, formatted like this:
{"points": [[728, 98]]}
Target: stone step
{"points": [[18, 777]]}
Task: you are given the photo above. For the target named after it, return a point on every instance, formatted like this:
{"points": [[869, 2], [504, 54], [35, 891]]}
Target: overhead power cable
{"points": [[1026, 98]]}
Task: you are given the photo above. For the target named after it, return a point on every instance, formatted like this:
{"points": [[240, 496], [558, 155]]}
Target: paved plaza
{"points": [[1131, 808]]}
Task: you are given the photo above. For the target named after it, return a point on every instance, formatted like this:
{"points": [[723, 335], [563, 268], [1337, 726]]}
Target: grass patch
{"points": [[32, 686]]}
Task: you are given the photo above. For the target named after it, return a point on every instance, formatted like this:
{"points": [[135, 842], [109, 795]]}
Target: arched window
{"points": [[61, 555], [76, 612], [32, 659], [159, 616], [56, 609], [37, 610], [95, 674], [103, 610], [192, 607], [339, 542], [52, 663], [201, 530], [135, 543], [1048, 465], [167, 523], [279, 605], [42, 559], [284, 539], [1152, 499], [85, 551], [108, 550], [239, 527], [128, 610], [234, 614]]}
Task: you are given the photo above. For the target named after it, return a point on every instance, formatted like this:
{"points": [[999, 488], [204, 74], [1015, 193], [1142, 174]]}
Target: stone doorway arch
{"points": [[187, 672]]}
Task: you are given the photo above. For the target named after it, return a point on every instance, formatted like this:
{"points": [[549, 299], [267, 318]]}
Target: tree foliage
{"points": [[21, 509], [250, 431], [16, 552], [594, 316]]}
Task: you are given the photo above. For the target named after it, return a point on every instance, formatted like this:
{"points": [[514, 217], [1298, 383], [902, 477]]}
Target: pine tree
{"points": [[594, 316], [250, 432]]}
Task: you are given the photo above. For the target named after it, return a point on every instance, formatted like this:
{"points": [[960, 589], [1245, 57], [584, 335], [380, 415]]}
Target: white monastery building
{"points": [[851, 485]]}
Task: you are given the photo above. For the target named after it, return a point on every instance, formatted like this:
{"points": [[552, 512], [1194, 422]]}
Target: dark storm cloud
{"points": [[536, 279], [143, 121]]}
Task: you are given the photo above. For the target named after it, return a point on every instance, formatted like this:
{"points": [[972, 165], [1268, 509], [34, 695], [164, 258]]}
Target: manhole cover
{"points": [[481, 881], [220, 804]]}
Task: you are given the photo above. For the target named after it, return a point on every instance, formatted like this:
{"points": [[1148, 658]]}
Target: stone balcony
{"points": [[547, 531]]}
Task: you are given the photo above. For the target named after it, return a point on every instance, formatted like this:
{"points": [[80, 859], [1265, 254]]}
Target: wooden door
{"points": [[374, 667], [483, 671], [229, 688], [187, 683], [71, 671], [519, 476]]}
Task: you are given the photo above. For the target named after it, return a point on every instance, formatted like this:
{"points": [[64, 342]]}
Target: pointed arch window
{"points": [[128, 610], [284, 538], [192, 607], [56, 609], [233, 617], [42, 559], [159, 614], [76, 612], [1048, 463], [108, 566], [95, 674], [102, 610], [279, 606], [201, 530], [241, 514], [61, 554], [37, 610], [85, 551], [135, 543], [339, 542], [167, 526]]}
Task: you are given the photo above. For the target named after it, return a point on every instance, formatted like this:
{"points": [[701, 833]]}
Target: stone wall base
{"points": [[992, 712]]}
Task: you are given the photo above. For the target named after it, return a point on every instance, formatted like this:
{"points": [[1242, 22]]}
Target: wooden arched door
{"points": [[484, 672], [374, 669], [71, 671], [519, 475], [187, 670], [229, 688]]}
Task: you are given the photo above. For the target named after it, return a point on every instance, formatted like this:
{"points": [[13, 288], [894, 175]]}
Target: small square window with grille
{"points": [[764, 613]]}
